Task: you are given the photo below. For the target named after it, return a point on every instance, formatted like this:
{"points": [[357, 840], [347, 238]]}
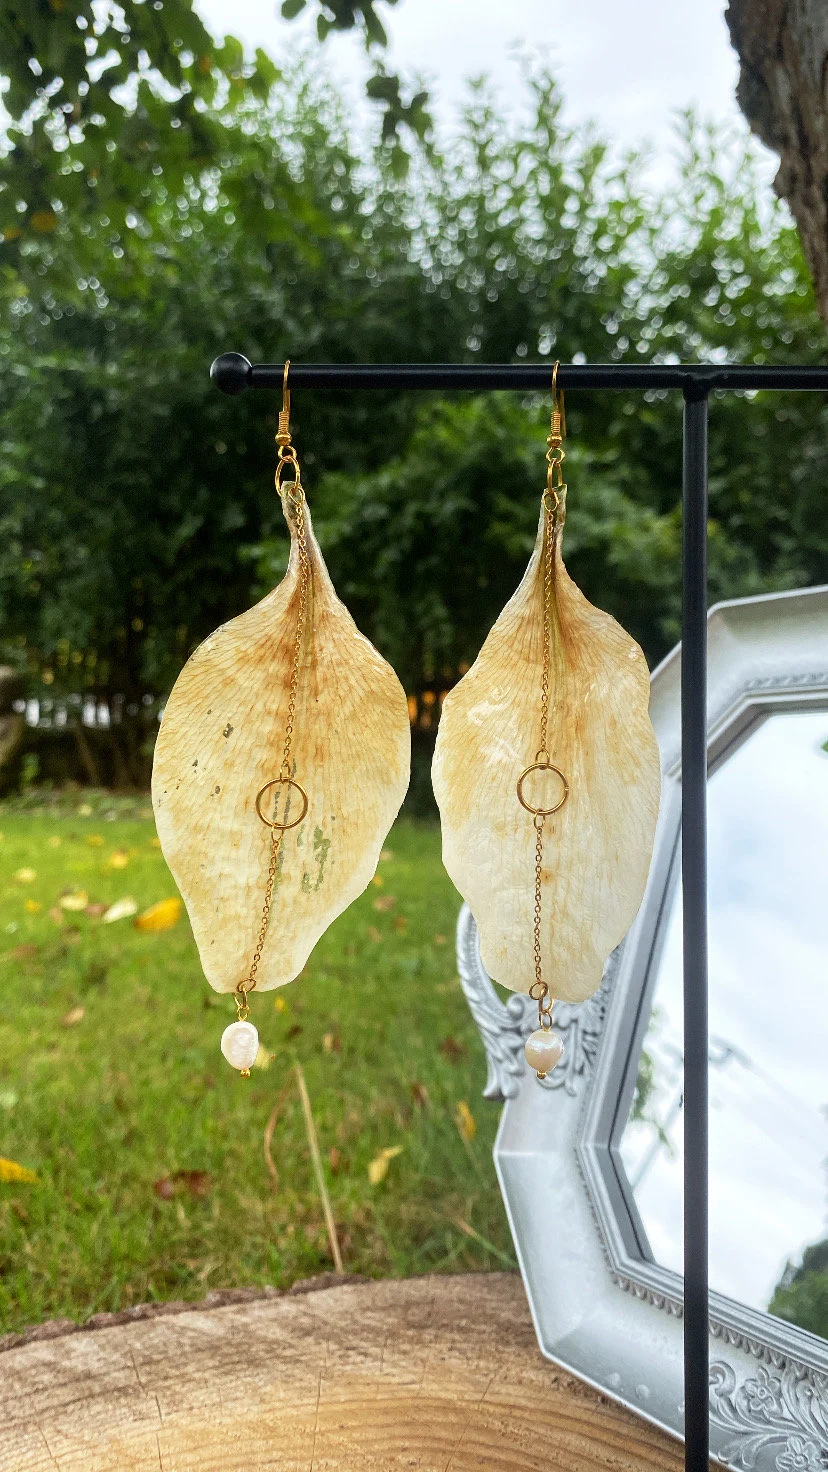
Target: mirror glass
{"points": [[768, 917]]}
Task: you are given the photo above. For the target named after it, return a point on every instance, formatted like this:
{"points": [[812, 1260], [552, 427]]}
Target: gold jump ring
{"points": [[546, 766], [281, 782]]}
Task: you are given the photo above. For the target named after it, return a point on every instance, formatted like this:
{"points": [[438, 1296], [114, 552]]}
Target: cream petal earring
{"points": [[547, 775], [281, 762]]}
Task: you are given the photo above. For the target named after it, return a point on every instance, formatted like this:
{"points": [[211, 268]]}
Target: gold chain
{"points": [[296, 496], [554, 504]]}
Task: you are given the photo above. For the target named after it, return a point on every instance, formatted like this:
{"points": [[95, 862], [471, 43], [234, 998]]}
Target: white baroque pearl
{"points": [[543, 1050], [240, 1044]]}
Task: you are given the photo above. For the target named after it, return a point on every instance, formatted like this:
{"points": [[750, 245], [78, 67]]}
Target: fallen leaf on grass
{"points": [[400, 922], [155, 842], [32, 907], [121, 910], [24, 952], [420, 1094], [280, 1004], [378, 1167], [374, 934], [20, 1211], [334, 1160], [440, 940], [94, 840], [74, 1016], [161, 916], [96, 972], [294, 1031], [25, 876], [465, 1121], [451, 1049], [56, 914], [332, 1043], [386, 856], [77, 899], [196, 1183], [11, 1171], [378, 881], [385, 902], [95, 910], [118, 860]]}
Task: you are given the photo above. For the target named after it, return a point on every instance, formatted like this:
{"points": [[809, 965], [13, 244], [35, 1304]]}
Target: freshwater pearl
{"points": [[543, 1050], [240, 1044]]}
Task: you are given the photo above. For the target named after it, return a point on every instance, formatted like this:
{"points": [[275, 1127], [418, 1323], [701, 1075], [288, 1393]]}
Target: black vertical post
{"points": [[694, 893]]}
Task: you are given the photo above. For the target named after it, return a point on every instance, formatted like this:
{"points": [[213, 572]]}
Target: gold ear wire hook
{"points": [[287, 453], [558, 407], [283, 432], [556, 454]]}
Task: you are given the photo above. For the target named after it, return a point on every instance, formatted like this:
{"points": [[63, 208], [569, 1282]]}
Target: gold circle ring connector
{"points": [[542, 766], [281, 782]]}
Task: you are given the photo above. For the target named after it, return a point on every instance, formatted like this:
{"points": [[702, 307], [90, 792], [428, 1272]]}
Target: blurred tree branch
{"points": [[383, 87], [102, 97], [783, 50]]}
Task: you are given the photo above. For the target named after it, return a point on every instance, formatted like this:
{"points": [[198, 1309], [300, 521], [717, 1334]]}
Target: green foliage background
{"points": [[136, 504], [164, 198], [801, 1295]]}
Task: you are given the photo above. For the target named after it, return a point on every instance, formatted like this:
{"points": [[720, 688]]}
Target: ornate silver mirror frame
{"points": [[601, 1306]]}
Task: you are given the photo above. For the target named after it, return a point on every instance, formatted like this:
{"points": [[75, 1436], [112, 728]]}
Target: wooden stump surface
{"points": [[436, 1373]]}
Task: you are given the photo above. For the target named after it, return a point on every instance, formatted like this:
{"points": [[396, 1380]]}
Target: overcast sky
{"points": [[630, 67]]}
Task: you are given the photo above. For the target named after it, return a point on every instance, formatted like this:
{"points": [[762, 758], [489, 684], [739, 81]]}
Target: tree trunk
{"points": [[783, 91]]}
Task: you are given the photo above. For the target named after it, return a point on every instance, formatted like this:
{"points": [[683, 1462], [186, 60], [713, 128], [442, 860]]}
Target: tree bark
{"points": [[783, 91]]}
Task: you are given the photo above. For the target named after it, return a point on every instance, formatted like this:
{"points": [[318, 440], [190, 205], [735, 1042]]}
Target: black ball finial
{"points": [[232, 373]]}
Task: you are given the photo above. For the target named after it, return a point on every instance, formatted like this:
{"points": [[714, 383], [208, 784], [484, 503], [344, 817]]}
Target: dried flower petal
{"points": [[221, 740], [597, 848]]}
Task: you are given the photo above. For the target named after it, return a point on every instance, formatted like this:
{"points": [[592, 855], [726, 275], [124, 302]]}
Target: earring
{"points": [[547, 776], [282, 760]]}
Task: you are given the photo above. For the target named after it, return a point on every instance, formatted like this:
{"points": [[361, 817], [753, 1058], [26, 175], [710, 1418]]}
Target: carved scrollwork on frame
{"points": [[504, 1027], [779, 1414]]}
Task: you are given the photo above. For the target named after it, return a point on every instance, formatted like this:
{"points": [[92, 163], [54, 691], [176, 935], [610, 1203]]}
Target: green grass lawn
{"points": [[111, 1082]]}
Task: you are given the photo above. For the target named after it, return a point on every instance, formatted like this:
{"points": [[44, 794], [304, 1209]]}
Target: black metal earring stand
{"points": [[233, 374]]}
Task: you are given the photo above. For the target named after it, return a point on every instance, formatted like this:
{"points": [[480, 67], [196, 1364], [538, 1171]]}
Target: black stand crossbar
{"points": [[233, 374]]}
